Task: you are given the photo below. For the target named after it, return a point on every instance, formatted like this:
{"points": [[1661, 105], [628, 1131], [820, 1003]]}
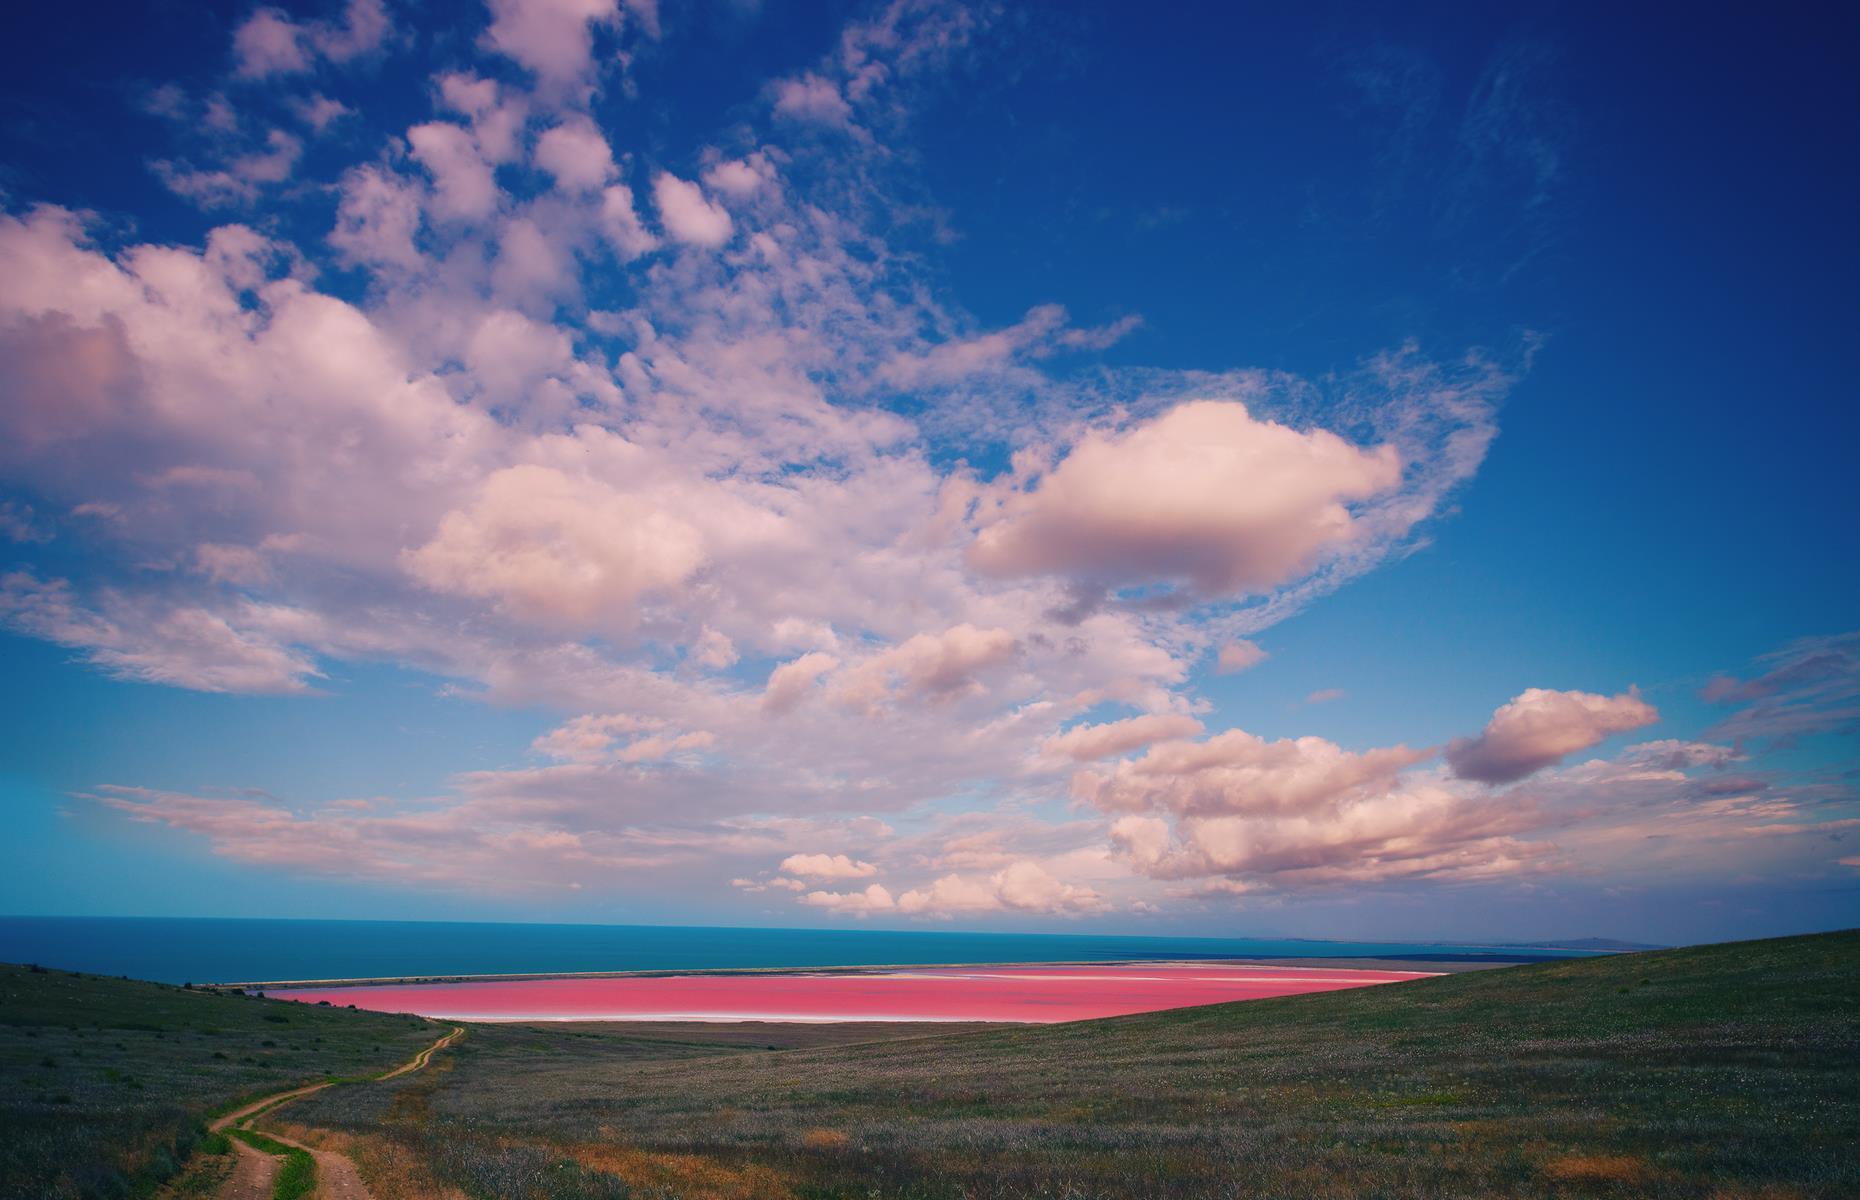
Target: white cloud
{"points": [[687, 215]]}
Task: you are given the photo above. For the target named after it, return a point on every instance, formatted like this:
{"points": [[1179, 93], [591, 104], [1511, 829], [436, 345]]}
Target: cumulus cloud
{"points": [[555, 38], [791, 682], [741, 178], [873, 899], [377, 220], [464, 188], [661, 496], [576, 154], [827, 866], [812, 98], [1541, 727], [546, 545], [621, 226], [270, 43], [1420, 830], [687, 215], [1024, 886], [1305, 813], [935, 666], [1203, 495], [1237, 772]]}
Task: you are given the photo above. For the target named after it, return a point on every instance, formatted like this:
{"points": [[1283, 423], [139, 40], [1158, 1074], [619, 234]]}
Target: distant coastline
{"points": [[1425, 966], [259, 951]]}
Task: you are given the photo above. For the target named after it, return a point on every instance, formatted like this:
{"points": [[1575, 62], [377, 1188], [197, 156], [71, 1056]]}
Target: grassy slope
{"points": [[1724, 1071], [104, 1082]]}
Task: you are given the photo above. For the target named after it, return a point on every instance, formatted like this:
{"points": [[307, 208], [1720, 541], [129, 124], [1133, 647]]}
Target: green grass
{"points": [[296, 1177], [105, 1084], [1711, 1073]]}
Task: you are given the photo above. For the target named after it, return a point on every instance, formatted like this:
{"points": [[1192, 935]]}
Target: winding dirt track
{"points": [[336, 1178]]}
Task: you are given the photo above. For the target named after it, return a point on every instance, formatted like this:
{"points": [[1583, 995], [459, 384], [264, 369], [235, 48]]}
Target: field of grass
{"points": [[1721, 1072], [105, 1084]]}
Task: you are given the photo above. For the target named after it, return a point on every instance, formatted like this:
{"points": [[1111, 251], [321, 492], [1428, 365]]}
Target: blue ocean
{"points": [[220, 950]]}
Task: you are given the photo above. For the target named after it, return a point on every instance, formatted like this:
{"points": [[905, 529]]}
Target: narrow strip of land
{"points": [[255, 1173]]}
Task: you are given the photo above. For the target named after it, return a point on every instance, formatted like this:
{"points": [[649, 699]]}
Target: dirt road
{"points": [[255, 1172]]}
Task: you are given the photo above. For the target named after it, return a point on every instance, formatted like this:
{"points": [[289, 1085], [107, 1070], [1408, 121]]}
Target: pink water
{"points": [[1017, 993]]}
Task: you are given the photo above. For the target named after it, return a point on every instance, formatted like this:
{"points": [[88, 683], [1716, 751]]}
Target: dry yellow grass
{"points": [[691, 1176], [1599, 1168], [389, 1168]]}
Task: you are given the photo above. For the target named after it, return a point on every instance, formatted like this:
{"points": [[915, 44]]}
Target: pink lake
{"points": [[1010, 993]]}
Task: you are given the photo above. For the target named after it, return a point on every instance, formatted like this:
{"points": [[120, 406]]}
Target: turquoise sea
{"points": [[220, 950]]}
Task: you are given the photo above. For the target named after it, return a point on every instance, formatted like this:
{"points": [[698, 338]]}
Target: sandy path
{"points": [[336, 1176], [252, 1176], [425, 1056]]}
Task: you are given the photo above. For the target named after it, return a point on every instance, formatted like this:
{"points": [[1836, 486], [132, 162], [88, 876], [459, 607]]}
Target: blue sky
{"points": [[793, 464]]}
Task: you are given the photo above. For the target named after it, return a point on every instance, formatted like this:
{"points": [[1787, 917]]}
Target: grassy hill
{"points": [[1721, 1072], [1718, 1072], [104, 1083]]}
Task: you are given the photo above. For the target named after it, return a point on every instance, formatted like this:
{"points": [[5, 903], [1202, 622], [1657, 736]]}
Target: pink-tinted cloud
{"points": [[181, 646], [1237, 656], [576, 153], [1541, 727], [791, 682], [548, 546], [874, 898], [811, 98], [270, 43], [464, 188], [1236, 772], [1809, 687], [827, 866], [687, 215], [1024, 886], [1083, 743], [935, 666], [1204, 495], [552, 38], [624, 515]]}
